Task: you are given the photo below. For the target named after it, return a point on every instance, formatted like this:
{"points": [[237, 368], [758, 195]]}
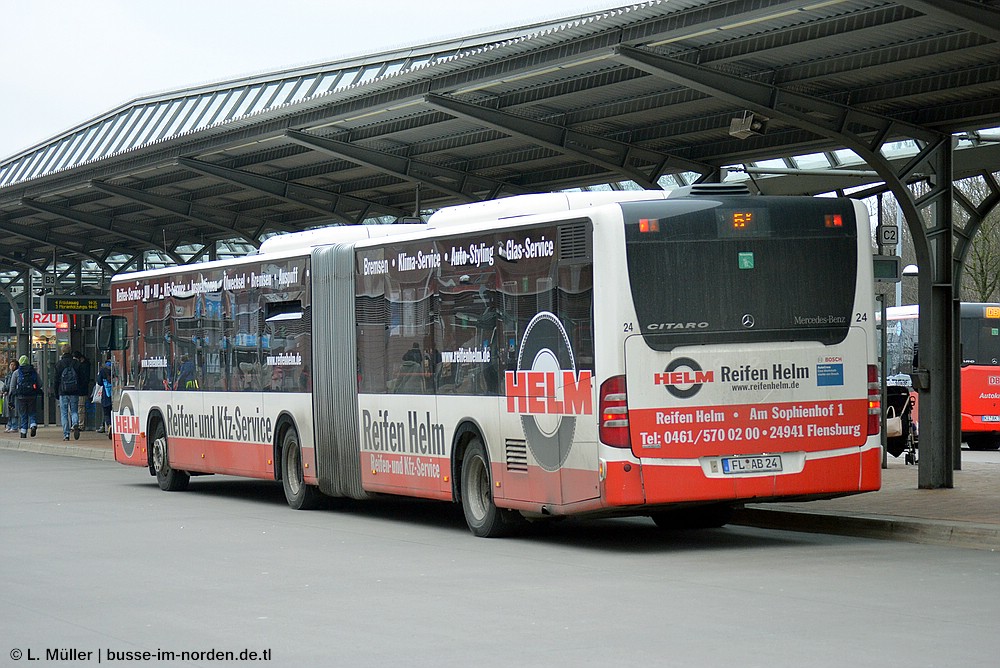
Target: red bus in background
{"points": [[980, 374]]}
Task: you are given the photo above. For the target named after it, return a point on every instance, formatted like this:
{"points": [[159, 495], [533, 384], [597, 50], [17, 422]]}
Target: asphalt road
{"points": [[97, 559]]}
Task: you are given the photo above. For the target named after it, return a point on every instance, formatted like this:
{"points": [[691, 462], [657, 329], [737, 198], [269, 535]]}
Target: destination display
{"points": [[76, 304]]}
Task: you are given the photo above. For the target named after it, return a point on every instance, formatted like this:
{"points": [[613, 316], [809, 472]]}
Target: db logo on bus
{"points": [[683, 377], [126, 425], [548, 391], [993, 380]]}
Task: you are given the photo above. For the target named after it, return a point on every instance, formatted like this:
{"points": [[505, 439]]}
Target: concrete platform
{"points": [[968, 515]]}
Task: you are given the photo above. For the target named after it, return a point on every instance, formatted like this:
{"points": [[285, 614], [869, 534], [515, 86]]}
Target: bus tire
{"points": [[299, 495], [168, 478], [482, 516], [983, 442], [698, 517]]}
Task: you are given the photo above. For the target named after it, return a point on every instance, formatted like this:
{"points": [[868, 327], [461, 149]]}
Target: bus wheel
{"points": [[299, 495], [983, 442], [700, 517], [169, 479], [481, 514]]}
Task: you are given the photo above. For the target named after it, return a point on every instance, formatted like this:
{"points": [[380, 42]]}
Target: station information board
{"points": [[76, 304]]}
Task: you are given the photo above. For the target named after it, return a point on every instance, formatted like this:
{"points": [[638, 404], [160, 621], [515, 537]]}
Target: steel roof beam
{"points": [[979, 19], [22, 262], [14, 231], [291, 192], [197, 213], [827, 119], [457, 183], [608, 153], [93, 221]]}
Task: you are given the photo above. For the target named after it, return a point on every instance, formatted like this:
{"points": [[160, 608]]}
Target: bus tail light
{"points": [[874, 401], [614, 413]]}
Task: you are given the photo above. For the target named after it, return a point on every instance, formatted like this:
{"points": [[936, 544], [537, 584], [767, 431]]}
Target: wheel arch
{"points": [[282, 424], [467, 430], [154, 416]]}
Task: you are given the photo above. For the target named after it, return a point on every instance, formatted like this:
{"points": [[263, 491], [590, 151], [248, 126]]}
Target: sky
{"points": [[67, 61]]}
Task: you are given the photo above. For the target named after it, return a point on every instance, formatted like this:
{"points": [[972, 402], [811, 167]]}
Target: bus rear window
{"points": [[742, 269]]}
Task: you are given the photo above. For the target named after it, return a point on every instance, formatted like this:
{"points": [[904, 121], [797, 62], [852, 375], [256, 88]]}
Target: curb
{"points": [[43, 448], [882, 527]]}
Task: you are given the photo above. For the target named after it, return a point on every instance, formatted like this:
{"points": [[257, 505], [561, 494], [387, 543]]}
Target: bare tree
{"points": [[981, 274]]}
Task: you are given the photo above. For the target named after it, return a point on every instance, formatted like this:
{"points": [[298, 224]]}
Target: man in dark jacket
{"points": [[66, 386], [86, 385]]}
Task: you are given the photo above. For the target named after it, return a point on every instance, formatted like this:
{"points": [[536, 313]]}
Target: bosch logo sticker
{"points": [[548, 391]]}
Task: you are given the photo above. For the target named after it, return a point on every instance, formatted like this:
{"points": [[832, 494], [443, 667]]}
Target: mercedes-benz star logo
{"points": [[748, 321]]}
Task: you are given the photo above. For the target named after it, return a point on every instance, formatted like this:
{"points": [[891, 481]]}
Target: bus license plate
{"points": [[991, 418], [762, 464]]}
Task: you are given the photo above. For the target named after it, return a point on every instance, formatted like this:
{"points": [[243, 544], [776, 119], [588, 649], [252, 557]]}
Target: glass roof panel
{"points": [[156, 121], [87, 146], [50, 155], [776, 163], [264, 98], [183, 111], [214, 111], [417, 62], [900, 149], [812, 161], [847, 157], [347, 79], [392, 68], [245, 101], [200, 105], [304, 89], [30, 165], [107, 134], [287, 88], [73, 156], [328, 82], [369, 73], [137, 128]]}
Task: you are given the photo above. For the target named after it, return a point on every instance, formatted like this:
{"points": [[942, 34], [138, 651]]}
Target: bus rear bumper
{"points": [[851, 471]]}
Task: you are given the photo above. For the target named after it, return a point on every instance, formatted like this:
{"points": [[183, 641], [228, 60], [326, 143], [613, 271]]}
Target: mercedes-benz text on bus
{"points": [[644, 353]]}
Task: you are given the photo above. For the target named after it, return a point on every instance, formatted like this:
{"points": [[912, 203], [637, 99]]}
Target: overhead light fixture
{"points": [[748, 125]]}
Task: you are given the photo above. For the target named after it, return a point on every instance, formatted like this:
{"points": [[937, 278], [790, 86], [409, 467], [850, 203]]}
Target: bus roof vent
{"points": [[710, 190]]}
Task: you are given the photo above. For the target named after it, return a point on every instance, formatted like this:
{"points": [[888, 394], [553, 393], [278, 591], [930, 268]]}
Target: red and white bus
{"points": [[618, 353], [980, 372]]}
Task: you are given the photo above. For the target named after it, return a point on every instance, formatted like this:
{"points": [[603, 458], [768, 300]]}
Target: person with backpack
{"points": [[83, 371], [26, 389], [67, 388], [9, 409]]}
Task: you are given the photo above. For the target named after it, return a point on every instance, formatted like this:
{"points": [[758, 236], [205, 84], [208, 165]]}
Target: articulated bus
{"points": [[980, 372], [670, 355]]}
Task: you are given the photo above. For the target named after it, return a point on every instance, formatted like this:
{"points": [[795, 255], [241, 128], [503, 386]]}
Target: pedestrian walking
{"points": [[84, 373], [66, 387], [9, 398], [104, 379], [26, 390]]}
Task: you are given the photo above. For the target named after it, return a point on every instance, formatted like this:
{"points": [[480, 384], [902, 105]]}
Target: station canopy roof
{"points": [[602, 100]]}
